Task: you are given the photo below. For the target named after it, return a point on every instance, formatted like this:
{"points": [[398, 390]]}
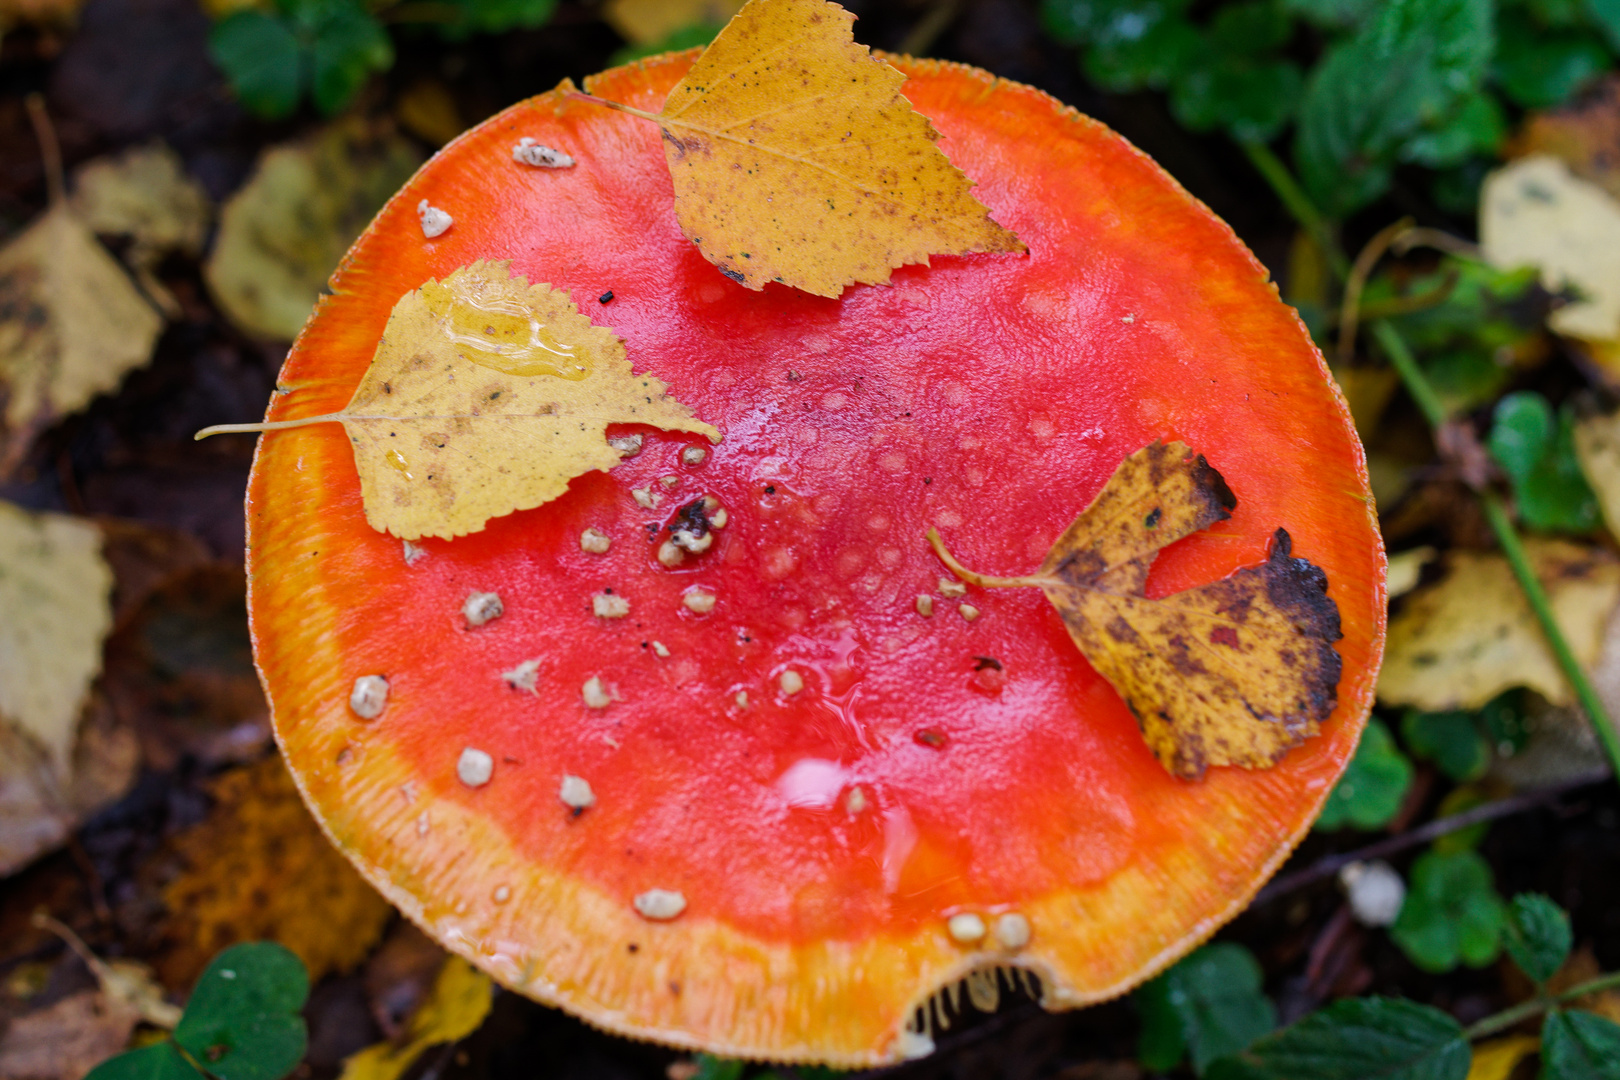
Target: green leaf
{"points": [[1406, 70], [1477, 127], [719, 1068], [1333, 14], [1250, 100], [1373, 787], [1579, 1045], [1538, 69], [243, 1022], [1538, 935], [1255, 28], [1357, 1039], [1452, 740], [349, 45], [1452, 913], [1210, 1003], [261, 59], [1537, 451], [160, 1061], [494, 17], [1606, 15], [1142, 51]]}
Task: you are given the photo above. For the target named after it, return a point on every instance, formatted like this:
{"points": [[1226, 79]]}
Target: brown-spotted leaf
{"points": [[796, 159], [488, 395], [1235, 672]]}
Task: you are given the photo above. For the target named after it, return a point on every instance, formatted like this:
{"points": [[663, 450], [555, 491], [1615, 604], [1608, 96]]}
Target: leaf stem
{"points": [[973, 577], [1525, 1010], [272, 425], [604, 102], [1282, 182]]}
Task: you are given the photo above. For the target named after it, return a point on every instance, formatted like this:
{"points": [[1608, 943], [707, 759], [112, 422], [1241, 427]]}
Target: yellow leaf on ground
{"points": [[1460, 642], [646, 22], [71, 326], [55, 591], [146, 195], [1496, 1060], [488, 395], [1535, 212], [1406, 569], [1235, 672], [796, 158], [282, 235], [1597, 446], [457, 1006], [259, 867]]}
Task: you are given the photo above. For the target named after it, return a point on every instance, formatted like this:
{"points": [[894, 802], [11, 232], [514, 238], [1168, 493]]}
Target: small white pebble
{"points": [[576, 793], [669, 481], [791, 682], [475, 767], [368, 697], [594, 541], [699, 601], [951, 589], [925, 605], [413, 554], [1012, 931], [966, 927], [627, 445], [741, 699], [1375, 891], [595, 694], [718, 518], [529, 152], [855, 801], [480, 607], [434, 220], [660, 904], [660, 649], [967, 611], [915, 1044], [693, 455], [609, 606], [501, 894], [671, 554], [646, 498], [524, 676]]}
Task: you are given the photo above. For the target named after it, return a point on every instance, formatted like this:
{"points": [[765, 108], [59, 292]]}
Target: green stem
{"points": [[1412, 377], [1523, 1011], [1299, 204]]}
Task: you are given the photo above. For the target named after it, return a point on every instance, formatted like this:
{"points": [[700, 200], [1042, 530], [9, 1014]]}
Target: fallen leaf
{"points": [[1496, 1059], [1597, 447], [143, 194], [1406, 569], [282, 235], [427, 110], [260, 868], [54, 589], [643, 22], [1535, 212], [488, 395], [457, 1006], [71, 326], [65, 1040], [1235, 672], [796, 159], [125, 984], [1462, 641], [1582, 135]]}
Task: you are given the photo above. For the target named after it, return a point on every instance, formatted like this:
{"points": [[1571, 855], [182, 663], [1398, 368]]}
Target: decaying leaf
{"points": [[1462, 641], [1235, 672], [54, 590], [260, 868], [282, 234], [143, 194], [65, 1040], [488, 395], [1597, 446], [457, 1006], [796, 158], [71, 326], [125, 984], [644, 22], [1582, 135], [1406, 569], [1535, 212], [1496, 1059]]}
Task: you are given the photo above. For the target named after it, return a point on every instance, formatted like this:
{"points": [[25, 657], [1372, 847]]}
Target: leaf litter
{"points": [[488, 395], [1236, 672]]}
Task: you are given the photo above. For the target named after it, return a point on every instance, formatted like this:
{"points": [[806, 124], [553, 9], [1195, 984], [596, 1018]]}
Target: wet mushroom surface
{"points": [[713, 749]]}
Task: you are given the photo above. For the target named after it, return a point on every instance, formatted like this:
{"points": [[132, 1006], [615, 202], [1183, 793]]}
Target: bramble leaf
{"points": [[1452, 740], [1210, 1004], [1355, 1039], [1578, 1045], [1236, 672], [1538, 935], [1373, 786]]}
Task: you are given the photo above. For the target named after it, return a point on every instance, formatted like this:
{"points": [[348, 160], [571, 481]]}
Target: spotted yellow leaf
{"points": [[796, 158], [1235, 672], [487, 395]]}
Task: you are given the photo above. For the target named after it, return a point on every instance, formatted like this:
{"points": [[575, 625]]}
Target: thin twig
{"points": [[1535, 1007], [1360, 270], [50, 151], [1329, 866]]}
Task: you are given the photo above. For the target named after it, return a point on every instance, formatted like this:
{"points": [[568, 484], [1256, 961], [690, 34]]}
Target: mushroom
{"points": [[991, 396]]}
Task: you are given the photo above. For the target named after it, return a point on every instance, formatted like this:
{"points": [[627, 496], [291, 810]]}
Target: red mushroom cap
{"points": [[778, 879]]}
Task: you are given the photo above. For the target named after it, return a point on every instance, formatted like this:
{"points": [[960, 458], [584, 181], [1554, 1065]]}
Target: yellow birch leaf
{"points": [[454, 1010], [71, 326], [488, 395], [645, 22], [1460, 642], [796, 159], [1236, 672], [1496, 1060], [1597, 447]]}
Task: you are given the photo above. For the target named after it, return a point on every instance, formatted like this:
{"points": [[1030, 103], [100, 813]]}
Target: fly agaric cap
{"points": [[769, 797]]}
